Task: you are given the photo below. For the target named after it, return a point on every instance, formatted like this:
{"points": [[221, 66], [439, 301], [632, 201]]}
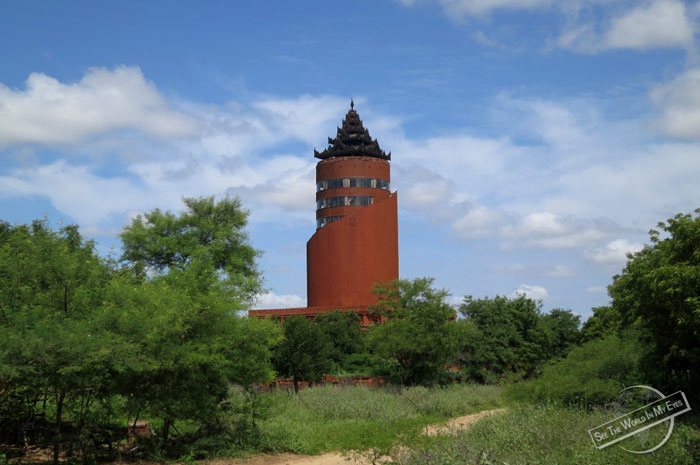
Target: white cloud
{"points": [[455, 300], [51, 112], [74, 190], [517, 267], [421, 188], [613, 253], [551, 231], [457, 9], [305, 118], [649, 25], [478, 221], [623, 24], [596, 290], [272, 300], [661, 23], [228, 149], [291, 190], [561, 271], [531, 292], [679, 101]]}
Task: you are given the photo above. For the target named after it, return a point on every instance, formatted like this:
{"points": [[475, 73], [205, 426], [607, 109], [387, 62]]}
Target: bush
{"points": [[592, 374]]}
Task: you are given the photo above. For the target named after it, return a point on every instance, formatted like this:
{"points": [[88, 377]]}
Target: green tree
{"points": [[562, 329], [419, 337], [343, 331], [52, 342], [603, 322], [509, 336], [304, 354], [191, 347], [192, 273], [590, 374], [208, 231], [659, 289]]}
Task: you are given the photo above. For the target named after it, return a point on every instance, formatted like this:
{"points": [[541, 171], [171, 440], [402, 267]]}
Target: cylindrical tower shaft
{"points": [[356, 242]]}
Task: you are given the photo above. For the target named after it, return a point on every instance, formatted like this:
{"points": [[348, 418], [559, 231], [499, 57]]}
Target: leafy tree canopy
{"points": [[304, 354], [207, 231], [561, 328], [419, 337], [159, 339], [52, 337], [603, 322], [510, 336], [343, 332], [659, 289]]}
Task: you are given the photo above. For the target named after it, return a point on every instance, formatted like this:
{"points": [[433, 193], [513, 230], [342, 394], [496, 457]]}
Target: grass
{"points": [[357, 418], [546, 435]]}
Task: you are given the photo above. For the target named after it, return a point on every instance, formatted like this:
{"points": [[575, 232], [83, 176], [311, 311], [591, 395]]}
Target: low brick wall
{"points": [[287, 384]]}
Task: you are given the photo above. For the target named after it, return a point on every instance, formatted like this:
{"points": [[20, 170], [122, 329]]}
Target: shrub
{"points": [[592, 374]]}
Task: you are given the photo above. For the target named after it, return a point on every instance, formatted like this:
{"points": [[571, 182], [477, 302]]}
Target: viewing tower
{"points": [[356, 241]]}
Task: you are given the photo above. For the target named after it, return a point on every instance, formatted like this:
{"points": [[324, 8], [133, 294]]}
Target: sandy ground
{"points": [[335, 458]]}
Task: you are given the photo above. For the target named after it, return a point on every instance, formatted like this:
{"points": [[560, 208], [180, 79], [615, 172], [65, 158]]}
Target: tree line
{"points": [[90, 344]]}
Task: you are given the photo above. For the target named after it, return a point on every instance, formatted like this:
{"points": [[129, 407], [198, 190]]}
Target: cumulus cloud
{"points": [[292, 190], [661, 23], [74, 190], [51, 112], [679, 101], [649, 25], [272, 300], [531, 292], [421, 188], [613, 253], [304, 118], [460, 8], [551, 231], [192, 151], [478, 221], [623, 24]]}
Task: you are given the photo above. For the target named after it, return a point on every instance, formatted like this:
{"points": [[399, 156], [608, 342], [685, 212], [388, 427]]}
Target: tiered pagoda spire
{"points": [[352, 140]]}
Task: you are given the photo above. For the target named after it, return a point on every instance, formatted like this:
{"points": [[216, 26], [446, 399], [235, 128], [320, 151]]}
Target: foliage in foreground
{"points": [[506, 337], [546, 435], [304, 354], [87, 347], [418, 339], [659, 290], [343, 418], [592, 374]]}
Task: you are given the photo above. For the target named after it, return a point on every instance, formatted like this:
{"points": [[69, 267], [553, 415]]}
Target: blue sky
{"points": [[534, 142]]}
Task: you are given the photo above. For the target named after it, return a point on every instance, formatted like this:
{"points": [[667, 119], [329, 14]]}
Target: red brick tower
{"points": [[356, 240]]}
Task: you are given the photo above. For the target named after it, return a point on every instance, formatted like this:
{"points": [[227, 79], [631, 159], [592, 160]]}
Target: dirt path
{"points": [[460, 423], [329, 458], [335, 458]]}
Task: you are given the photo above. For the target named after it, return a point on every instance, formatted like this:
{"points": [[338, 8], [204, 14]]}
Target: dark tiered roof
{"points": [[352, 140]]}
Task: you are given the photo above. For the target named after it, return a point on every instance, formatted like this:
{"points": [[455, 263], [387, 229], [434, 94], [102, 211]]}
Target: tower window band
{"points": [[337, 183], [321, 222], [344, 201]]}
